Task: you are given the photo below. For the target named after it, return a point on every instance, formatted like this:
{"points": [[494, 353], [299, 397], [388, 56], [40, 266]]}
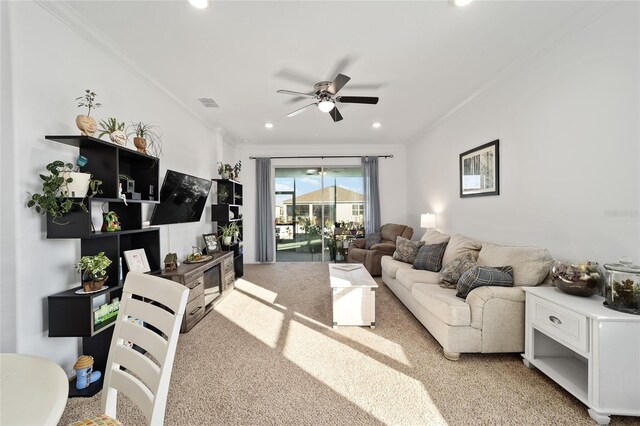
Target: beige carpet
{"points": [[267, 354]]}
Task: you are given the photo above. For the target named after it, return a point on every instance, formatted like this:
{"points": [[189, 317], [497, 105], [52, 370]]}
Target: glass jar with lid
{"points": [[622, 291]]}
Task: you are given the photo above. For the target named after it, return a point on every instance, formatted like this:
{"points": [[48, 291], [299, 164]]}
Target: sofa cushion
{"points": [[407, 250], [429, 257], [434, 237], [390, 266], [443, 303], [458, 246], [409, 276], [452, 271], [530, 264], [483, 276], [372, 240]]}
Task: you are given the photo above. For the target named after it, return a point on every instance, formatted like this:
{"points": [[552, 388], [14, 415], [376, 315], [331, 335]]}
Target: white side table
{"points": [[353, 295], [591, 351]]}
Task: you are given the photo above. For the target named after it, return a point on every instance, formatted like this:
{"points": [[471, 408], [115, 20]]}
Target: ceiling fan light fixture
{"points": [[199, 4], [326, 105]]}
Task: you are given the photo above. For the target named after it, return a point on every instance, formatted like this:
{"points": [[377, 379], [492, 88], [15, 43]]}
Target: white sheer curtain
{"points": [[371, 195], [264, 212]]}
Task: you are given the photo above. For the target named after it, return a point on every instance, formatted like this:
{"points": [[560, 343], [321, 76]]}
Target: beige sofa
{"points": [[491, 319]]}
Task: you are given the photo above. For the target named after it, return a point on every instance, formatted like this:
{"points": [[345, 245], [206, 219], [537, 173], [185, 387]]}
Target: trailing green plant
{"points": [[109, 126], [88, 101], [52, 200], [229, 230], [151, 133], [96, 265]]}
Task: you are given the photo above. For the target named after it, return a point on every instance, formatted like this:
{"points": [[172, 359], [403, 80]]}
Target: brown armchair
{"points": [[371, 258]]}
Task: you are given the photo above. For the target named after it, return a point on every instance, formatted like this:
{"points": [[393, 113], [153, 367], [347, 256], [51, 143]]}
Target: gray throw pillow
{"points": [[406, 250], [480, 276], [452, 271], [429, 257], [372, 240]]}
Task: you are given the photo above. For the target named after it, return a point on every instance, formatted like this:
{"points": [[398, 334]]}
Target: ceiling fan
{"points": [[325, 94]]}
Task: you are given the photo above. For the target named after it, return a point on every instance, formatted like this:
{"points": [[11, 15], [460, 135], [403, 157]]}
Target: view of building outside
{"points": [[307, 207]]}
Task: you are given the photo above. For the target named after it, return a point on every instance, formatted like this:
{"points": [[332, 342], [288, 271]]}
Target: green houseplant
{"points": [[115, 130], [94, 271], [57, 198], [147, 138], [228, 231], [86, 123]]}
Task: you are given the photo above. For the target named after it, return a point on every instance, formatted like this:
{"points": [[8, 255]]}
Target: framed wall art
{"points": [[136, 260], [480, 171], [211, 243]]}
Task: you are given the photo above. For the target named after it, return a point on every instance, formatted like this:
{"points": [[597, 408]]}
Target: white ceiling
{"points": [[421, 58]]}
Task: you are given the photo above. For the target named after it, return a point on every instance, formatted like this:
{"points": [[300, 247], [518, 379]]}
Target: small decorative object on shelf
{"points": [[137, 260], [60, 192], [236, 170], [85, 123], [94, 271], [84, 372], [227, 171], [115, 130], [584, 279], [171, 262], [147, 138], [623, 286], [110, 222]]}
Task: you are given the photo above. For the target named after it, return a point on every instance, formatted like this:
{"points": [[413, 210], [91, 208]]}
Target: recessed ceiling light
{"points": [[376, 125], [461, 3], [268, 125], [199, 4]]}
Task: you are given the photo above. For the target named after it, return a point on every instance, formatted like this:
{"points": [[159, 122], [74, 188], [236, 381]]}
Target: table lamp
{"points": [[428, 220]]}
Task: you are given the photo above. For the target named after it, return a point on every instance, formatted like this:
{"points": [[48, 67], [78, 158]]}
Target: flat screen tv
{"points": [[182, 199]]}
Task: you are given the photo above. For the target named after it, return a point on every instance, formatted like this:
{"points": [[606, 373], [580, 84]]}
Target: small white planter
{"points": [[226, 241], [78, 188]]}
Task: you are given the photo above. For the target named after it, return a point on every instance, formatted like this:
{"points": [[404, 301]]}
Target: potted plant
{"points": [[86, 123], [225, 170], [147, 138], [236, 170], [115, 130], [94, 271], [60, 191], [228, 231]]}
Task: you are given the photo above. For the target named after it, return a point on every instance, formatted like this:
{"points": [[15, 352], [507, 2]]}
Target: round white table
{"points": [[33, 390]]}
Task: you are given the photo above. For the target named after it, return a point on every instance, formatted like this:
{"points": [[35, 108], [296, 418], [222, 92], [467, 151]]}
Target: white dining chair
{"points": [[159, 304]]}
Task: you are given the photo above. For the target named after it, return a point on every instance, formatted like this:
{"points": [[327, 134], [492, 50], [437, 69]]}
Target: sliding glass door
{"points": [[309, 202]]}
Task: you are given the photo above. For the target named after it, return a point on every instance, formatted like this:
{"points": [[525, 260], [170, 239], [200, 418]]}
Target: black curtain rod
{"points": [[325, 156]]}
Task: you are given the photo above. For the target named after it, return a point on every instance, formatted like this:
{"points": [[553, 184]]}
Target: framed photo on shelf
{"points": [[136, 260], [210, 242], [480, 171]]}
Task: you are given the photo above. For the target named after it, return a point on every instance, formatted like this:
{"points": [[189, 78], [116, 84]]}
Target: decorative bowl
{"points": [[583, 279], [578, 288]]}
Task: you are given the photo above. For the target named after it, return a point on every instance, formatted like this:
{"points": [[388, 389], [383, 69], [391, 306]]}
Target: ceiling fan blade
{"points": [[357, 100], [291, 92], [338, 83], [299, 110], [335, 114], [341, 66]]}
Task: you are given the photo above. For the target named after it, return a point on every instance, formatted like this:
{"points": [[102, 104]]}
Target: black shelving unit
{"points": [[229, 209], [70, 314]]}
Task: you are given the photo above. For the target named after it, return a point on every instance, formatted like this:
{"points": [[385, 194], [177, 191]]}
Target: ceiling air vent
{"points": [[208, 102]]}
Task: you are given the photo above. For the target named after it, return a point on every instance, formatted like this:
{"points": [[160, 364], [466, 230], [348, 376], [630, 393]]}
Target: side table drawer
{"points": [[561, 323], [195, 292], [193, 313], [195, 281], [228, 264]]}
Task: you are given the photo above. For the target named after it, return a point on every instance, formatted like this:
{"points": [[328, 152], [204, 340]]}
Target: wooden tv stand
{"points": [[209, 282]]}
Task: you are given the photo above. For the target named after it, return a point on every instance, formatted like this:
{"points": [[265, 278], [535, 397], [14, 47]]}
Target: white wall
{"points": [[391, 170], [569, 150], [49, 67]]}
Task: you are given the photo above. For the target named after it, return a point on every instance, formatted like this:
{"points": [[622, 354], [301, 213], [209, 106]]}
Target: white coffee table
{"points": [[353, 295]]}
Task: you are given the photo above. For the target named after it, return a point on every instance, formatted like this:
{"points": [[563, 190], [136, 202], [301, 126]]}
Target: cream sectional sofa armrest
{"points": [[479, 298]]}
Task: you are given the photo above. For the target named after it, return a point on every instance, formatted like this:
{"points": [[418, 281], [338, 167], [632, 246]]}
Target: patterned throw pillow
{"points": [[480, 276], [406, 250], [452, 271], [429, 257], [372, 240]]}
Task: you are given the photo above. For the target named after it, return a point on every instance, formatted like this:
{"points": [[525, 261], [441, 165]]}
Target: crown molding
{"points": [[66, 14], [589, 14]]}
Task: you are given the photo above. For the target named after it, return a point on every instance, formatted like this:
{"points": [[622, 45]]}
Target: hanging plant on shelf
{"points": [[62, 189], [94, 271], [86, 123]]}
